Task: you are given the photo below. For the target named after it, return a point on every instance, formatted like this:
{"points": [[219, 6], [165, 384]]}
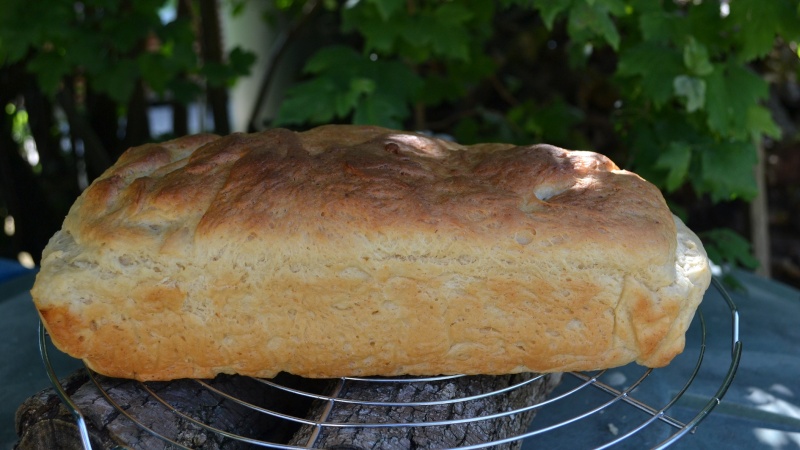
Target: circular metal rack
{"points": [[630, 404]]}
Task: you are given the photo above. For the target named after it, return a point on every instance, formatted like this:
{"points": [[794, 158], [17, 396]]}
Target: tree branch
{"points": [[279, 48]]}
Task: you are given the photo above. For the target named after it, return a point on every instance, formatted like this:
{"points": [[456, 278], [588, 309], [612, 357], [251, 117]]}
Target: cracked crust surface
{"points": [[348, 250]]}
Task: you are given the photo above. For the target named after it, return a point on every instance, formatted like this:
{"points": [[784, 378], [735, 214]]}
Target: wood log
{"points": [[42, 421], [534, 390]]}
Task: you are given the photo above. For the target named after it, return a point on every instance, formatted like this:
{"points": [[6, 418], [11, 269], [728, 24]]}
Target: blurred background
{"points": [[700, 97]]}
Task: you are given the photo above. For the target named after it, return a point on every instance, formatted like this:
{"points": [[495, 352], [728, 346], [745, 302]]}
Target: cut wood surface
{"points": [[43, 421]]}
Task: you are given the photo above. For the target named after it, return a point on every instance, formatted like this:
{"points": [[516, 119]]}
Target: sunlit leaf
{"points": [[692, 89]]}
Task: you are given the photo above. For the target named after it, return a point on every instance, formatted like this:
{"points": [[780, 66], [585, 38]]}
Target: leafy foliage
{"points": [[688, 102], [112, 44], [372, 91]]}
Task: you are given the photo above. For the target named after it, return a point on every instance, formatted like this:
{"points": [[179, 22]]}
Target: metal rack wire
{"points": [[573, 396]]}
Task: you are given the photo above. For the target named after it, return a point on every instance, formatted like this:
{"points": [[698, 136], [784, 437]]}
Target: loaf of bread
{"points": [[357, 251]]}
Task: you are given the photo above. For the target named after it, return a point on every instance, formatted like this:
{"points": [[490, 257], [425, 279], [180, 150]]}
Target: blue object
{"points": [[11, 269]]}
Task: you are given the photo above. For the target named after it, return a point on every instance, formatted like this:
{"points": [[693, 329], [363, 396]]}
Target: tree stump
{"points": [[449, 435], [42, 421]]}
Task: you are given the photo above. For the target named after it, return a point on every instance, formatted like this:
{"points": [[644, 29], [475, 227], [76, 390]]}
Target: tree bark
{"points": [[42, 421], [212, 51], [426, 437], [97, 157]]}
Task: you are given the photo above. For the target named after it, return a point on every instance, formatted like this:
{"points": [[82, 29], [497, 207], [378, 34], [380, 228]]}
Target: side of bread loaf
{"points": [[348, 250]]}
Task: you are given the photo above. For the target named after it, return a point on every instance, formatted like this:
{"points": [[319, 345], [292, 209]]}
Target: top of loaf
{"points": [[214, 192]]}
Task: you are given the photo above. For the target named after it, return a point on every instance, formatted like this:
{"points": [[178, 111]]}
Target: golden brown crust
{"points": [[351, 250]]}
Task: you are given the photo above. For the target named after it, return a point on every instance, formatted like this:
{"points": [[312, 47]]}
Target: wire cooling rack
{"points": [[638, 406]]}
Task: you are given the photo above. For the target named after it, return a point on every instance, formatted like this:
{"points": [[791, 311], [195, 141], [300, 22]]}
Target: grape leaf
{"points": [[658, 26], [381, 110], [727, 171], [656, 64], [755, 30], [676, 162], [731, 91], [759, 121], [695, 57], [585, 18], [330, 58], [347, 100], [310, 101], [346, 84]]}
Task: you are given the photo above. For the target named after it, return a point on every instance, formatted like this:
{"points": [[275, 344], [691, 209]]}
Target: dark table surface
{"points": [[761, 409]]}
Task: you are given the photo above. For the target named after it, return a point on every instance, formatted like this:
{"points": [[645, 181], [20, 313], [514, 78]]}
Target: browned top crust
{"points": [[349, 250]]}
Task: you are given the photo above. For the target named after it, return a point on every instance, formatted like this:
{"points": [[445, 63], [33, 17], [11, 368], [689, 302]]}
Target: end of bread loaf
{"points": [[356, 251]]}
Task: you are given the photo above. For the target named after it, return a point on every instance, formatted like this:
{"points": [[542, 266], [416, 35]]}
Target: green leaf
{"points": [[692, 89], [178, 41], [676, 162], [184, 91], [382, 37], [151, 66], [349, 85], [240, 61], [615, 7], [726, 171], [388, 8], [451, 40], [759, 122], [695, 57], [349, 99], [380, 110], [757, 25], [308, 102], [595, 19], [731, 91], [117, 81], [725, 246], [329, 58], [657, 65], [552, 122], [659, 26], [49, 68], [550, 9]]}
